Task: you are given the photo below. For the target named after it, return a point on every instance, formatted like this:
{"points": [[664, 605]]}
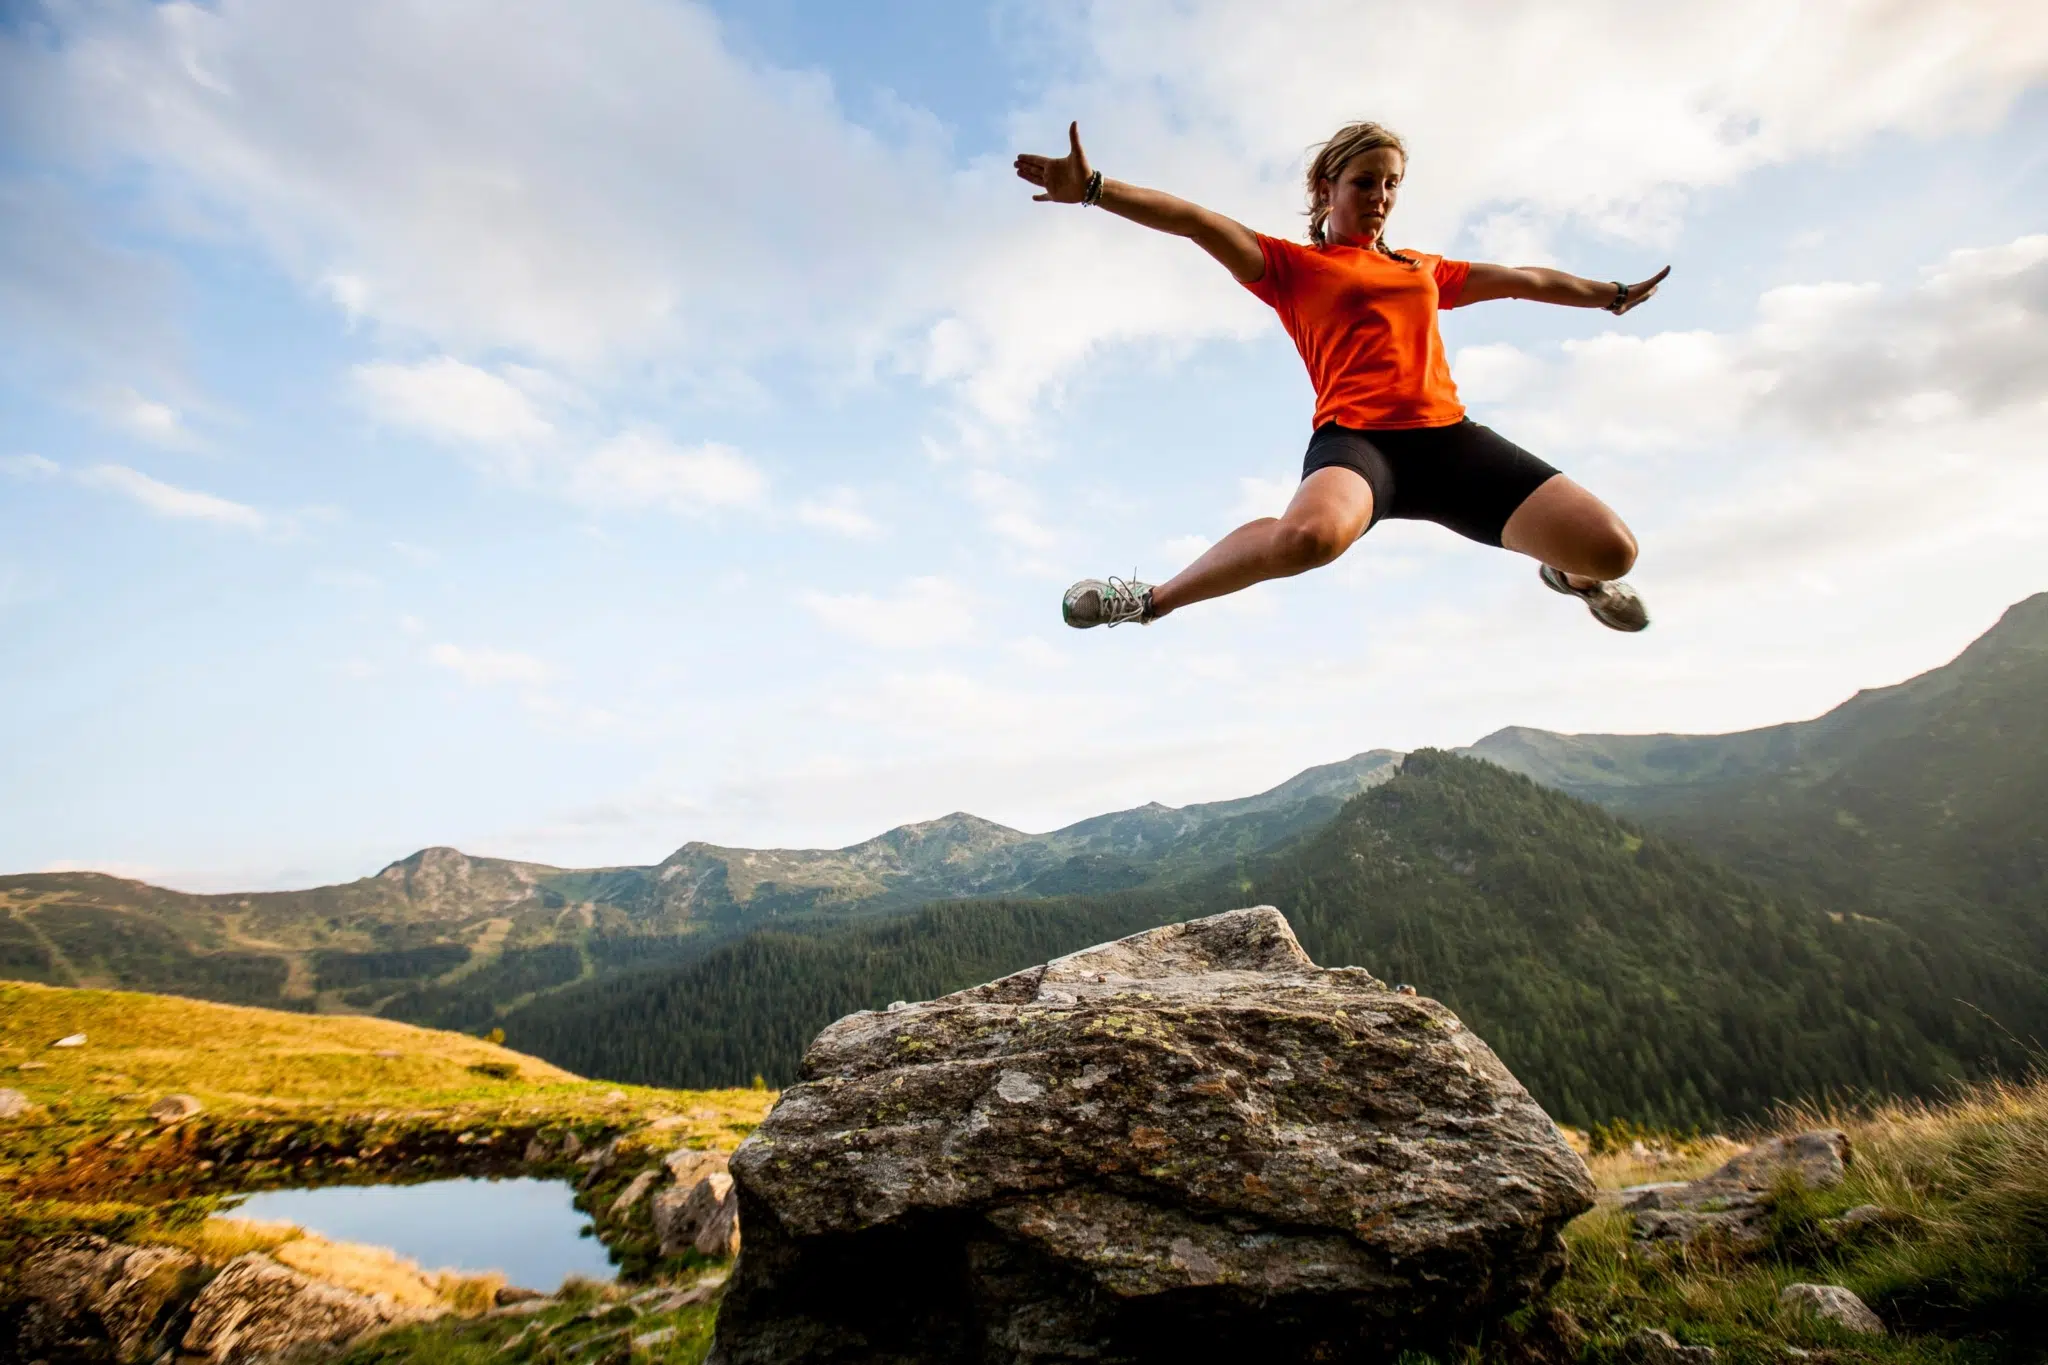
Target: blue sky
{"points": [[568, 431]]}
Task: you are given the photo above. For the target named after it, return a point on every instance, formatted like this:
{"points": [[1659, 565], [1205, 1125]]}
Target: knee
{"points": [[1310, 545], [1611, 554]]}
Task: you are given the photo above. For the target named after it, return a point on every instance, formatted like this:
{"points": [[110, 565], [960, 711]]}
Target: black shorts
{"points": [[1465, 476]]}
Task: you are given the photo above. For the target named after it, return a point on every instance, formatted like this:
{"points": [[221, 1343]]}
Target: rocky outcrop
{"points": [[88, 1298], [1193, 1143], [701, 1211], [1730, 1208], [257, 1310]]}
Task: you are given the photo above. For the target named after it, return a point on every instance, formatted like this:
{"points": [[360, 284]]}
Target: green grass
{"points": [[294, 1099], [1955, 1273], [592, 1324]]}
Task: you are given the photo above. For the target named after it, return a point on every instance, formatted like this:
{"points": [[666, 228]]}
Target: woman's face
{"points": [[1362, 196]]}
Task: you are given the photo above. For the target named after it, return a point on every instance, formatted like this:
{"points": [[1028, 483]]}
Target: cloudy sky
{"points": [[564, 430]]}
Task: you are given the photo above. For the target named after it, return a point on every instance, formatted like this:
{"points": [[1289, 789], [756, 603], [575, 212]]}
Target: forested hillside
{"points": [[1924, 803], [1617, 972]]}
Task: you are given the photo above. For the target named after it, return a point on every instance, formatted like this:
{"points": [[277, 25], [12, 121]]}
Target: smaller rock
{"points": [[509, 1294], [1653, 1347], [721, 1234], [661, 1336], [1834, 1303], [599, 1160], [389, 1054], [70, 1040], [696, 1219], [571, 1145], [1730, 1206], [1818, 1158], [33, 1066], [630, 1196], [537, 1150], [614, 1097], [686, 1165], [15, 1105], [174, 1109]]}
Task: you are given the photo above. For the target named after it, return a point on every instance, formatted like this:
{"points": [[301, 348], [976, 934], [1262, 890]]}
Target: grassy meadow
{"points": [[1954, 1267]]}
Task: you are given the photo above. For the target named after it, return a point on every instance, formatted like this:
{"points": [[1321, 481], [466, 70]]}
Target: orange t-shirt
{"points": [[1366, 326]]}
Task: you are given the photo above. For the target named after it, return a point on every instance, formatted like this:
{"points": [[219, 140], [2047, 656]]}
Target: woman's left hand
{"points": [[1640, 293]]}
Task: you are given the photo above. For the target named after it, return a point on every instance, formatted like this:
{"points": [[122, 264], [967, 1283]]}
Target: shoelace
{"points": [[1125, 590]]}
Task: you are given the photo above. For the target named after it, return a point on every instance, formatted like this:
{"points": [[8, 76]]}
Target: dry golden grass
{"points": [[242, 1061], [1679, 1160], [219, 1240]]}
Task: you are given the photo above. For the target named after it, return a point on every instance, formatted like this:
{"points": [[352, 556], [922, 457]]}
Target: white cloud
{"points": [[168, 500], [1263, 497], [1832, 360], [482, 667], [501, 197], [1847, 428], [453, 401], [639, 469], [30, 466], [924, 612], [146, 419], [1010, 509], [1493, 372], [839, 511], [496, 204]]}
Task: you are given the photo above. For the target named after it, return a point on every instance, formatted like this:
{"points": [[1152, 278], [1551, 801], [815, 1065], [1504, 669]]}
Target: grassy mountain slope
{"points": [[1617, 972], [448, 939], [1920, 802]]}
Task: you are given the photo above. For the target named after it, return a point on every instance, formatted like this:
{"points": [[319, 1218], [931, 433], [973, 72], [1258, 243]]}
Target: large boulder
{"points": [[1192, 1143]]}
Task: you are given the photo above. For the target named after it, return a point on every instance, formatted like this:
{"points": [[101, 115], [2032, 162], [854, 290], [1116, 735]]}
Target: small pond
{"points": [[529, 1229]]}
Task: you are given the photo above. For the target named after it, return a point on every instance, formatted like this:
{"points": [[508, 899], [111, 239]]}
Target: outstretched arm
{"points": [[1065, 180], [1543, 285]]}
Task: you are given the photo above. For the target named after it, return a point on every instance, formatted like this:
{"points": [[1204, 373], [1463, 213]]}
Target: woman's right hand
{"points": [[1064, 179]]}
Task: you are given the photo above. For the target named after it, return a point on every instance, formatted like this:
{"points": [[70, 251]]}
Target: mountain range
{"points": [[1884, 866], [448, 938]]}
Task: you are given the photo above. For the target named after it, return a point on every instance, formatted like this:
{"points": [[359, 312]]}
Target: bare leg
{"points": [[1330, 510], [1569, 529]]}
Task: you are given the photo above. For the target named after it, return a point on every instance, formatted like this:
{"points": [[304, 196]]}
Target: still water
{"points": [[529, 1229]]}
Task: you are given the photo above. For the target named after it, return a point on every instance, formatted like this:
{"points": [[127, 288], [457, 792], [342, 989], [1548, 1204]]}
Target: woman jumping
{"points": [[1391, 438]]}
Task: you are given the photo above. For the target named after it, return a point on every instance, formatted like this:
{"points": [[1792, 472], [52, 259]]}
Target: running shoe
{"points": [[1107, 602], [1614, 605]]}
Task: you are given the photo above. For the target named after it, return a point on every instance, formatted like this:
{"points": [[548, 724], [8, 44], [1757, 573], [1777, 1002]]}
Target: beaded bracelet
{"points": [[1093, 194]]}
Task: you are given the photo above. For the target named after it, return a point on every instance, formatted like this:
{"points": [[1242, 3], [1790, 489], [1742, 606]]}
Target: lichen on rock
{"points": [[1185, 1143]]}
